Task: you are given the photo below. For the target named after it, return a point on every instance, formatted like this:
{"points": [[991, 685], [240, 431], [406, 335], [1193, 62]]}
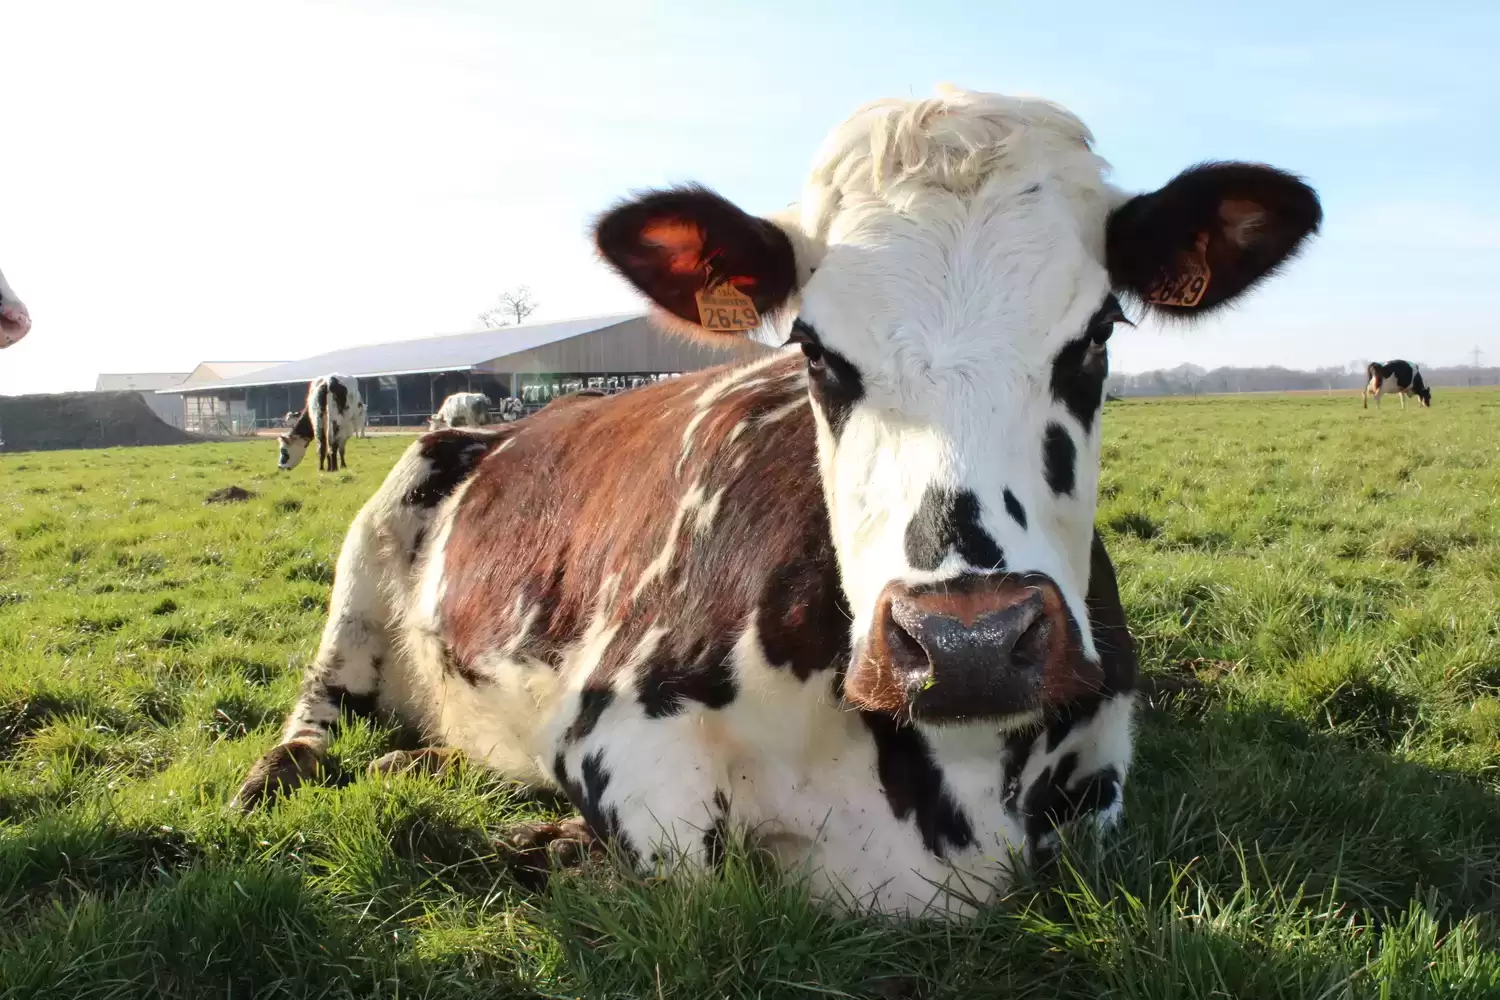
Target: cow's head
{"points": [[1420, 388], [291, 449], [15, 321], [952, 274]]}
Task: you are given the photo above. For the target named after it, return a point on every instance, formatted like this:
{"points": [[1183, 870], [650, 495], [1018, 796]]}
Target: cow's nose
{"points": [[979, 646]]}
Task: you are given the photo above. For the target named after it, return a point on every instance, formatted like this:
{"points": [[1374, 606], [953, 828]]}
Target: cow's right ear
{"points": [[701, 259]]}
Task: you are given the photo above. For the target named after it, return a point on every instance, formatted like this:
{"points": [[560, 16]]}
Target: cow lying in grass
{"points": [[846, 599]]}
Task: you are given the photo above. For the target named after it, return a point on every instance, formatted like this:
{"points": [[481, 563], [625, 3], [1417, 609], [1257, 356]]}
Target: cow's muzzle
{"points": [[976, 647]]}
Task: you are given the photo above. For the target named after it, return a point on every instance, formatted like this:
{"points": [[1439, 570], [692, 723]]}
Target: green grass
{"points": [[1313, 810]]}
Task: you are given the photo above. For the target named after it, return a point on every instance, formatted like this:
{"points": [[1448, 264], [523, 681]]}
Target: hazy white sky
{"points": [[209, 180]]}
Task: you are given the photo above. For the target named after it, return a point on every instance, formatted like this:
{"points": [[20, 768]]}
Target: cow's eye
{"points": [[805, 337], [1103, 323]]}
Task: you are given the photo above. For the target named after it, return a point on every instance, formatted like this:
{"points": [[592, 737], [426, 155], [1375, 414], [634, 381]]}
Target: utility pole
{"points": [[1475, 354]]}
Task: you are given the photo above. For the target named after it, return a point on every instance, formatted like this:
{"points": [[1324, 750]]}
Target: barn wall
{"points": [[634, 346]]}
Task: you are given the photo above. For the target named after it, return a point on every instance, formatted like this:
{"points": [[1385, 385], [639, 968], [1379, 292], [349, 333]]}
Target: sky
{"points": [[193, 181]]}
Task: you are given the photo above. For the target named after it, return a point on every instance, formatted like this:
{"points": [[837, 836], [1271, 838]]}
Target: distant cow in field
{"points": [[332, 402], [361, 417], [1403, 375], [289, 419], [462, 409], [15, 321], [846, 599]]}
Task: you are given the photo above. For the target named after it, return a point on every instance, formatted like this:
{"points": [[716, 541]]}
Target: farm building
{"points": [[403, 382], [171, 406]]}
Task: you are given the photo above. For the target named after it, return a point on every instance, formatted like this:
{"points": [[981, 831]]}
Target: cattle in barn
{"points": [[329, 418], [1403, 375], [15, 321], [846, 599], [511, 409], [462, 409]]}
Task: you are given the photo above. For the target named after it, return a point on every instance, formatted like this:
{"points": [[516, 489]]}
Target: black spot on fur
{"points": [[1014, 509], [803, 617], [1059, 459], [587, 797], [591, 705], [1050, 802], [340, 394], [717, 835], [945, 520], [836, 385], [701, 673], [1065, 718], [416, 544], [455, 667], [453, 456], [913, 784], [1080, 368], [362, 705]]}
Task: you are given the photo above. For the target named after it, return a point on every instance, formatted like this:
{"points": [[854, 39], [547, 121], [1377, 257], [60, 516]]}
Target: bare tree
{"points": [[514, 306]]}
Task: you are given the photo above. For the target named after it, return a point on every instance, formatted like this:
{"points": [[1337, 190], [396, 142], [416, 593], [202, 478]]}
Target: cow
{"points": [[15, 321], [289, 418], [361, 418], [1404, 374], [462, 409], [511, 409], [845, 599], [329, 417]]}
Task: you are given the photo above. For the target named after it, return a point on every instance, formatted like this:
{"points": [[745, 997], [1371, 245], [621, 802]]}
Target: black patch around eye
{"points": [[950, 520], [835, 383], [1014, 509], [1080, 368], [1059, 459]]}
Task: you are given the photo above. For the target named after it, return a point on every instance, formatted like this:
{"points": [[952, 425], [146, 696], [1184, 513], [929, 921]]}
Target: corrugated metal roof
{"points": [[214, 371], [453, 352]]}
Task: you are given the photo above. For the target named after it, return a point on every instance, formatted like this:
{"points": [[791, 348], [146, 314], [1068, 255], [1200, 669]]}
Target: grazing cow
{"points": [[846, 599], [332, 403], [1404, 374], [15, 321], [511, 410], [462, 409]]}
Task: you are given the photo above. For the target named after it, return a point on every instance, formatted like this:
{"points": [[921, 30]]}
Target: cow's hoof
{"points": [[279, 771], [532, 850], [429, 760]]}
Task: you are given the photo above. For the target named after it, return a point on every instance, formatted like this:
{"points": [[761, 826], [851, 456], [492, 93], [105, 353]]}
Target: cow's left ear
{"points": [[1209, 235], [698, 256]]}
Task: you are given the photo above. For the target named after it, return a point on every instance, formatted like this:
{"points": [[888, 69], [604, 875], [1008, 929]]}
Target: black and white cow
{"points": [[848, 598], [331, 416], [15, 321], [511, 409], [1401, 374], [462, 409]]}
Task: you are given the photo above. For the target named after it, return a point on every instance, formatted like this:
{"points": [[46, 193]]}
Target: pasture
{"points": [[1314, 809]]}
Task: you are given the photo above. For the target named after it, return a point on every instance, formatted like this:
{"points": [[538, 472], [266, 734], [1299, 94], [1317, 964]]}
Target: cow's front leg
{"points": [[651, 787]]}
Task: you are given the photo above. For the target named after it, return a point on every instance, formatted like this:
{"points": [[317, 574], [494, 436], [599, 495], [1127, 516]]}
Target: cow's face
{"points": [[290, 451], [952, 275]]}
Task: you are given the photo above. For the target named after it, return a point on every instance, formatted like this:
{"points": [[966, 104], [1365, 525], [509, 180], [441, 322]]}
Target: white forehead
{"points": [[961, 214]]}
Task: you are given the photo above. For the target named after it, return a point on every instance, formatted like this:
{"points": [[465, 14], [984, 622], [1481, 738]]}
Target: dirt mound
{"points": [[52, 421], [229, 494]]}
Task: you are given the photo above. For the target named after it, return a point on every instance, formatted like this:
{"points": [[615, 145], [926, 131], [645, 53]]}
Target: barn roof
{"points": [[511, 348], [139, 381]]}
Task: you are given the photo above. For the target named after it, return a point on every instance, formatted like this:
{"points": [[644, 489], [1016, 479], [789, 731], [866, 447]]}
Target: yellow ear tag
{"points": [[1186, 286], [726, 309]]}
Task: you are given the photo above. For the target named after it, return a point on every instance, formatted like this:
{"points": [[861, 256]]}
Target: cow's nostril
{"points": [[1033, 645]]}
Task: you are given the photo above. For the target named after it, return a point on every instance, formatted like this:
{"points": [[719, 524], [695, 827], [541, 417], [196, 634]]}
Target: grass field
{"points": [[1314, 809]]}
